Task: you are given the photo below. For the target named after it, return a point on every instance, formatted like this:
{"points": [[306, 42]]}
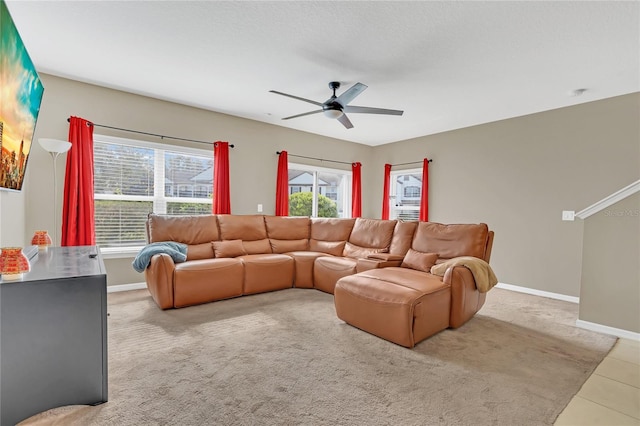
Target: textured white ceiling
{"points": [[446, 64]]}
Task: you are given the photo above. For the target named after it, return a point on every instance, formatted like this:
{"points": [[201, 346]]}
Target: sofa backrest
{"points": [[402, 237], [196, 231], [287, 234], [369, 236], [450, 241], [329, 235], [250, 229]]}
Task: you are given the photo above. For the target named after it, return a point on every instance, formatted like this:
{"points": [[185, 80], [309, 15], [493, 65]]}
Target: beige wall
{"points": [[610, 286], [253, 161], [518, 175], [12, 219]]}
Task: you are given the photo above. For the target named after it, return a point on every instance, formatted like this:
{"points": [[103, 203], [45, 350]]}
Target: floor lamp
{"points": [[55, 147]]}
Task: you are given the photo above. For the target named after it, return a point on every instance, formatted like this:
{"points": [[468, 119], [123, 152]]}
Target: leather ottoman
{"points": [[401, 305]]}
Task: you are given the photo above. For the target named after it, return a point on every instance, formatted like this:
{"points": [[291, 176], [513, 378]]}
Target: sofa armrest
{"points": [[159, 277], [385, 257], [466, 300], [367, 264]]}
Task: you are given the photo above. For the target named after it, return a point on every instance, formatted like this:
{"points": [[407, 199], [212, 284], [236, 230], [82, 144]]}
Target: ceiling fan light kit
{"points": [[333, 113], [337, 106]]}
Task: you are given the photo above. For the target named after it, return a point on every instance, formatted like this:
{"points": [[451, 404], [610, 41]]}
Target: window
{"points": [[412, 191], [134, 178], [404, 194], [319, 191]]}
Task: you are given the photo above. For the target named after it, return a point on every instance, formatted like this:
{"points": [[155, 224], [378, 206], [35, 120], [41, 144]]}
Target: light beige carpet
{"points": [[284, 358]]}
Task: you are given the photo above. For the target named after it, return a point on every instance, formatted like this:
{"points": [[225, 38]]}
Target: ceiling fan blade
{"points": [[368, 110], [345, 121], [351, 93], [303, 114], [296, 97]]}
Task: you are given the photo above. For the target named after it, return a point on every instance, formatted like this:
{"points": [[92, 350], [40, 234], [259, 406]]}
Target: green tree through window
{"points": [[300, 205]]}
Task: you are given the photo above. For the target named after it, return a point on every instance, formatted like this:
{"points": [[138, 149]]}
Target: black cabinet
{"points": [[53, 334]]}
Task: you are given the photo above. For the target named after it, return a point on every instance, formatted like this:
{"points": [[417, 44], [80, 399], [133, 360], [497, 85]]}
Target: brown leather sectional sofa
{"points": [[378, 270]]}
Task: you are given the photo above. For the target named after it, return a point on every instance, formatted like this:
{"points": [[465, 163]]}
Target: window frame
{"points": [[159, 199], [393, 196]]}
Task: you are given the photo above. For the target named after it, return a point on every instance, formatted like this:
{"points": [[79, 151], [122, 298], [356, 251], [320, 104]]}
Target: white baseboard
{"points": [[625, 334], [126, 287], [533, 291]]}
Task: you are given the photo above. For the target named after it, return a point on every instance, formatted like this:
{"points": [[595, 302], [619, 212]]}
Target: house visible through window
{"points": [[319, 191], [404, 194], [411, 191], [134, 178]]}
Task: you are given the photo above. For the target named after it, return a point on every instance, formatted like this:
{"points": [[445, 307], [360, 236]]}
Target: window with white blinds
{"points": [[133, 178], [404, 194]]}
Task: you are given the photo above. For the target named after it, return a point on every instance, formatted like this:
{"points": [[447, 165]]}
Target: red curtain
{"points": [[221, 193], [385, 191], [282, 185], [356, 190], [424, 196], [78, 226]]}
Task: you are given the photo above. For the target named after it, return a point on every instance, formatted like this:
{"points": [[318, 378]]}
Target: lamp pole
{"points": [[55, 147]]}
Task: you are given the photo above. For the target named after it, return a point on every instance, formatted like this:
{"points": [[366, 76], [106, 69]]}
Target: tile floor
{"points": [[611, 396]]}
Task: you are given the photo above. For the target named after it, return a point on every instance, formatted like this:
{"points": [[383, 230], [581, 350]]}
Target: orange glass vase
{"points": [[41, 239], [13, 263]]}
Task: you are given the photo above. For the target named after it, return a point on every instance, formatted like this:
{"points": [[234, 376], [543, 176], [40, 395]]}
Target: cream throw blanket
{"points": [[481, 271]]}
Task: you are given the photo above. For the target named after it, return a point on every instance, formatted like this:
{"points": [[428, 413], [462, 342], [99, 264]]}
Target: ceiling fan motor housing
{"points": [[333, 110]]}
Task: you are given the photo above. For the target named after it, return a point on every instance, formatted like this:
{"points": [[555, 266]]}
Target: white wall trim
{"points": [[610, 200], [533, 291], [126, 287], [625, 334]]}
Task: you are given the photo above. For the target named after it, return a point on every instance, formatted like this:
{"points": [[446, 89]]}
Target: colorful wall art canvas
{"points": [[20, 97]]}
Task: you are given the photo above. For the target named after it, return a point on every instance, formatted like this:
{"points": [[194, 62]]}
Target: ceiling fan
{"points": [[338, 106]]}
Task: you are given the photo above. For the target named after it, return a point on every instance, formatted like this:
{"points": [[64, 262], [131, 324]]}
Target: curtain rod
{"points": [[412, 162], [149, 134], [313, 158]]}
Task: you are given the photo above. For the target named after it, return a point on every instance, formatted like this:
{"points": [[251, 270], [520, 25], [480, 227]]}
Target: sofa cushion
{"points": [[451, 241], [327, 270], [242, 227], [372, 233], [230, 248], [267, 272], [402, 237], [409, 278], [285, 246], [182, 229], [200, 251], [419, 261], [202, 281], [331, 229], [330, 247], [257, 247], [288, 228], [329, 235], [357, 252]]}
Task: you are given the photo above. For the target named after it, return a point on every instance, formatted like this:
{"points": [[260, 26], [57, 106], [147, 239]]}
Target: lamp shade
{"points": [[13, 263], [54, 145], [41, 239]]}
